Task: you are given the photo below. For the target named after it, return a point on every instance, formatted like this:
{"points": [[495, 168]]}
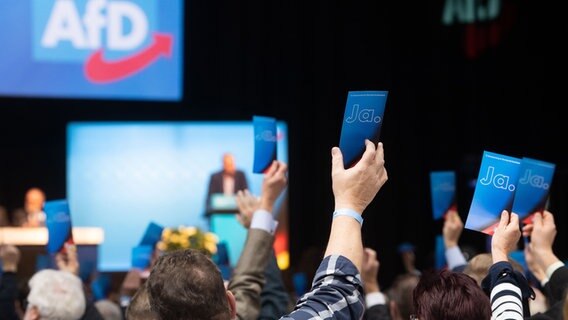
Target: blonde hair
{"points": [[479, 265]]}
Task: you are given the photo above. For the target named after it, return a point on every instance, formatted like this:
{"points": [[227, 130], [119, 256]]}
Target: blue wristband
{"points": [[350, 213]]}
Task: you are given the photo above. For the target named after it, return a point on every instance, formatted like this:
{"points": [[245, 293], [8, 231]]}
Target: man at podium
{"points": [[31, 215], [228, 181]]}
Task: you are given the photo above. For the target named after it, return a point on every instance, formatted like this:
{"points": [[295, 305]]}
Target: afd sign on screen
{"points": [[105, 49]]}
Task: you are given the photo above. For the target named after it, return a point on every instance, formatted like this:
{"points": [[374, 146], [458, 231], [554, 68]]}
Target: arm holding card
{"points": [[274, 299], [248, 278], [509, 289], [375, 301], [337, 280], [453, 227], [68, 260], [542, 232]]}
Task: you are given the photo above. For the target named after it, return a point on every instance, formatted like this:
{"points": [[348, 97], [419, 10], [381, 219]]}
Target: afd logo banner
{"points": [[115, 49]]}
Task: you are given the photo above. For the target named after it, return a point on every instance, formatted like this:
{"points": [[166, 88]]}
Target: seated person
{"points": [[31, 215]]}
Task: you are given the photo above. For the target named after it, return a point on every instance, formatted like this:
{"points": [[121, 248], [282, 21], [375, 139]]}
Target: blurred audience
{"points": [[187, 284], [375, 301], [400, 295]]}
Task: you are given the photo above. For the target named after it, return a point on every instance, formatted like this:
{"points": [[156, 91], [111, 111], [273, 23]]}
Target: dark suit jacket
{"points": [[555, 290], [216, 185], [377, 312], [216, 182], [275, 301], [8, 296], [248, 278]]}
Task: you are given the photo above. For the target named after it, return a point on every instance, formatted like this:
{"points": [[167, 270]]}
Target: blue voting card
{"points": [[362, 120], [141, 256], [58, 223], [532, 188], [265, 137], [442, 192], [440, 253], [494, 191], [152, 235]]}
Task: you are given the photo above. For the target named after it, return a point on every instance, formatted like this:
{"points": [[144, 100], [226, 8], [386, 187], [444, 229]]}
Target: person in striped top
{"points": [[448, 295], [509, 289]]}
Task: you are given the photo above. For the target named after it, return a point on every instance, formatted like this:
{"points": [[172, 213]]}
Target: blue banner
{"points": [[442, 192], [494, 191], [533, 186], [58, 223], [111, 49], [362, 120], [265, 137]]}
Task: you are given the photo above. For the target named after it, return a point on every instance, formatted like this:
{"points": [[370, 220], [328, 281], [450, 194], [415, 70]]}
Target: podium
{"points": [[32, 244], [222, 214]]}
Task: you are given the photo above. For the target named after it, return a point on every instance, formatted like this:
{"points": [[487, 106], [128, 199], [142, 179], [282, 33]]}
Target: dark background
{"points": [[454, 91]]}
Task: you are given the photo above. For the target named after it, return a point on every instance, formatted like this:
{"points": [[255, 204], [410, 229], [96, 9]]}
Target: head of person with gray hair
{"points": [[55, 295]]}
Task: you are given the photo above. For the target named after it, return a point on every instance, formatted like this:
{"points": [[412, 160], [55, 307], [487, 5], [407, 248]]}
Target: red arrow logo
{"points": [[98, 70]]}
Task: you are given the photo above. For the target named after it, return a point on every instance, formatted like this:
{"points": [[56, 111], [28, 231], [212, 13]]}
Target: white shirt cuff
{"points": [[454, 257], [263, 220], [553, 267], [375, 298]]}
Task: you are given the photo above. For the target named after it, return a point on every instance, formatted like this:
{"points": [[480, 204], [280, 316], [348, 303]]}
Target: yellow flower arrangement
{"points": [[184, 237]]}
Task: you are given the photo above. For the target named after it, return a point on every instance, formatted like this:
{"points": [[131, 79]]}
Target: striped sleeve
{"points": [[336, 293], [506, 295]]}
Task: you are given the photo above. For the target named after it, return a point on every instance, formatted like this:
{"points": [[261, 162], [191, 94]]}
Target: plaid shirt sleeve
{"points": [[337, 293]]}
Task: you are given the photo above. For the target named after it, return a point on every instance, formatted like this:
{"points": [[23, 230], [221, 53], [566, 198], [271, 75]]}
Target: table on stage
{"points": [[32, 244]]}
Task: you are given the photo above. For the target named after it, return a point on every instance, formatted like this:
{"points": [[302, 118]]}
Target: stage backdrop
{"points": [[123, 175]]}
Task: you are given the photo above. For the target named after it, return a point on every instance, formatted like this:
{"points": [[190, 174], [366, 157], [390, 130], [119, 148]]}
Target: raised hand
{"points": [[453, 227], [356, 187], [542, 232], [275, 181], [247, 204], [370, 271], [506, 236], [68, 260]]}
